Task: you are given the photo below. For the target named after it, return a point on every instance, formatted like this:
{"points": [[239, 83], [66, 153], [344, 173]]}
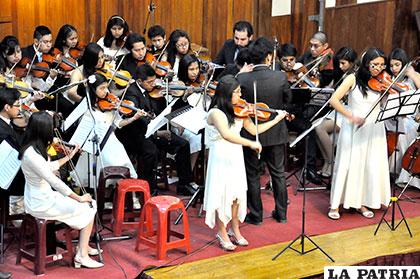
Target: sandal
{"points": [[366, 213], [240, 242], [335, 215], [226, 245]]}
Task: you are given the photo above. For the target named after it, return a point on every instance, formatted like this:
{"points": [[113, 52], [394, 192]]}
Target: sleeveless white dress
{"points": [[226, 176], [361, 171]]}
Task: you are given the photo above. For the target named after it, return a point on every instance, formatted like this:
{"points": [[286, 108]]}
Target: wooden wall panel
{"points": [[6, 18]]}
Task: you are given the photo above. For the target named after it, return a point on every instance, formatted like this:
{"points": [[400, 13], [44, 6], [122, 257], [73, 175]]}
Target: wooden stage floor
{"points": [[346, 247]]}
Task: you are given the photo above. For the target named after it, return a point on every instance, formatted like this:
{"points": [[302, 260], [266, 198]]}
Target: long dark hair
{"points": [[363, 74], [97, 80], [119, 21], [223, 97], [39, 133], [344, 53], [64, 32], [8, 46], [185, 62], [173, 39], [90, 58], [400, 55]]}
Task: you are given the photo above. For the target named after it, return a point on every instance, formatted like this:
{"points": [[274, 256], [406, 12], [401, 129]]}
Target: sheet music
{"points": [[193, 119], [9, 164], [159, 120], [76, 114], [401, 104]]}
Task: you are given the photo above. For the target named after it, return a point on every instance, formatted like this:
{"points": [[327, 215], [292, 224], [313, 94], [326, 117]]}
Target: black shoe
{"points": [[278, 218], [251, 221], [5, 275], [311, 176], [186, 190]]}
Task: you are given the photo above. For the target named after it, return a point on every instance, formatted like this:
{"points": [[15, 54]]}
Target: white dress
{"points": [[40, 199], [226, 176], [110, 52], [361, 172], [113, 153]]}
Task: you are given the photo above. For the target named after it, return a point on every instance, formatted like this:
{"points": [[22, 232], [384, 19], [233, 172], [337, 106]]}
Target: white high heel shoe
{"points": [[240, 242], [88, 262]]}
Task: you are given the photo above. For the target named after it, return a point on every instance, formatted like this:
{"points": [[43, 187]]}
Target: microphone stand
{"points": [[150, 11]]}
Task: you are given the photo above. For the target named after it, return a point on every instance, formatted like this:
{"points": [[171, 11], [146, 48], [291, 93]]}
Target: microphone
{"points": [[67, 87]]}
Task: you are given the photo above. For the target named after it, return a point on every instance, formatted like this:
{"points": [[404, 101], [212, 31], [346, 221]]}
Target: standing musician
{"points": [[157, 37], [113, 42], [41, 201], [274, 90], [344, 64], [92, 60], [242, 36], [136, 46], [148, 148], [303, 112], [361, 171]]}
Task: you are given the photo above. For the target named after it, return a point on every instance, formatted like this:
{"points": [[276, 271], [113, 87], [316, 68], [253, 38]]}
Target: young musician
{"points": [[242, 36], [113, 42], [136, 46], [41, 201], [344, 63], [67, 38], [179, 45], [225, 195], [157, 36], [361, 171], [272, 89]]}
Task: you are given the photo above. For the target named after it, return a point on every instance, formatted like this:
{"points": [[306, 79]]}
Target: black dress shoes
{"points": [[252, 221], [5, 275], [311, 176], [278, 218]]}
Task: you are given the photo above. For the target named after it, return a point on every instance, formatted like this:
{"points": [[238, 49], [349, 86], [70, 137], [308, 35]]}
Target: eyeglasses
{"points": [[182, 45], [315, 45], [16, 105], [377, 66]]}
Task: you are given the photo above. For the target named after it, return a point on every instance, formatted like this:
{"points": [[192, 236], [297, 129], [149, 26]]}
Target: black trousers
{"points": [[274, 158]]}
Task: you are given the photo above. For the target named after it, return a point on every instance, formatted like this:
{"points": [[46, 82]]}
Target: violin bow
{"points": [[276, 44], [33, 60], [318, 61], [8, 72], [256, 117]]}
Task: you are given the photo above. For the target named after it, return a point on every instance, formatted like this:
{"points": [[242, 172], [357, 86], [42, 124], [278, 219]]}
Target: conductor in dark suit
{"points": [[274, 90], [242, 36]]}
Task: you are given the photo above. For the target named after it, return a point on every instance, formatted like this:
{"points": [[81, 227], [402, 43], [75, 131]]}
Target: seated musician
{"points": [[179, 45], [303, 113], [148, 148], [136, 45], [157, 36], [113, 42]]}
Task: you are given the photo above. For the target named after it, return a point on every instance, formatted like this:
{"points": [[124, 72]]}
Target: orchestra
{"points": [[125, 81]]}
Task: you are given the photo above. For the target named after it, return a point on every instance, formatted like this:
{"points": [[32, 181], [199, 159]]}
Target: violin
{"points": [[120, 77], [22, 87], [243, 109], [77, 51], [39, 69], [161, 67], [382, 81], [57, 57], [200, 83], [110, 102], [298, 70]]}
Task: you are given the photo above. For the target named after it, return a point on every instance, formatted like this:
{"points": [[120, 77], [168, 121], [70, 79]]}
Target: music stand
{"points": [[401, 104], [302, 235]]}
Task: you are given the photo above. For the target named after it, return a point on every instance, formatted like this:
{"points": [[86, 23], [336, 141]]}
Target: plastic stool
{"points": [[39, 257], [125, 186], [164, 205]]}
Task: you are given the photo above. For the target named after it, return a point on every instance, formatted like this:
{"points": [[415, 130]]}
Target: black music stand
{"points": [[302, 235], [403, 104]]}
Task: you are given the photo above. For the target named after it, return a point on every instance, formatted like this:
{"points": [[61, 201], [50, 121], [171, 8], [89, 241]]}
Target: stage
{"points": [[349, 241]]}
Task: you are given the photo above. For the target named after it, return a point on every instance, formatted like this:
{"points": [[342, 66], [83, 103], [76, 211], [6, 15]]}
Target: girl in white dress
{"points": [[226, 186], [41, 201], [408, 125], [116, 32], [361, 172], [113, 152]]}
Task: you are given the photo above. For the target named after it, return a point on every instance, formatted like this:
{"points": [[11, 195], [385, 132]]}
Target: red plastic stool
{"points": [[125, 186], [110, 172], [164, 205], [39, 255]]}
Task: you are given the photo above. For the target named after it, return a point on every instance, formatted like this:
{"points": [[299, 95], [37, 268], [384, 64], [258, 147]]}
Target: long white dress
{"points": [[361, 172], [40, 199], [113, 153], [226, 176]]}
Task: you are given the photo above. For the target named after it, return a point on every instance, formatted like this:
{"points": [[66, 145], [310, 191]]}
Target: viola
{"points": [[110, 102], [382, 81], [243, 109], [120, 77]]}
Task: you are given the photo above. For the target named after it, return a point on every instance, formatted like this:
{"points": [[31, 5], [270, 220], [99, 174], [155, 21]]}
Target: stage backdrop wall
{"points": [[385, 24]]}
